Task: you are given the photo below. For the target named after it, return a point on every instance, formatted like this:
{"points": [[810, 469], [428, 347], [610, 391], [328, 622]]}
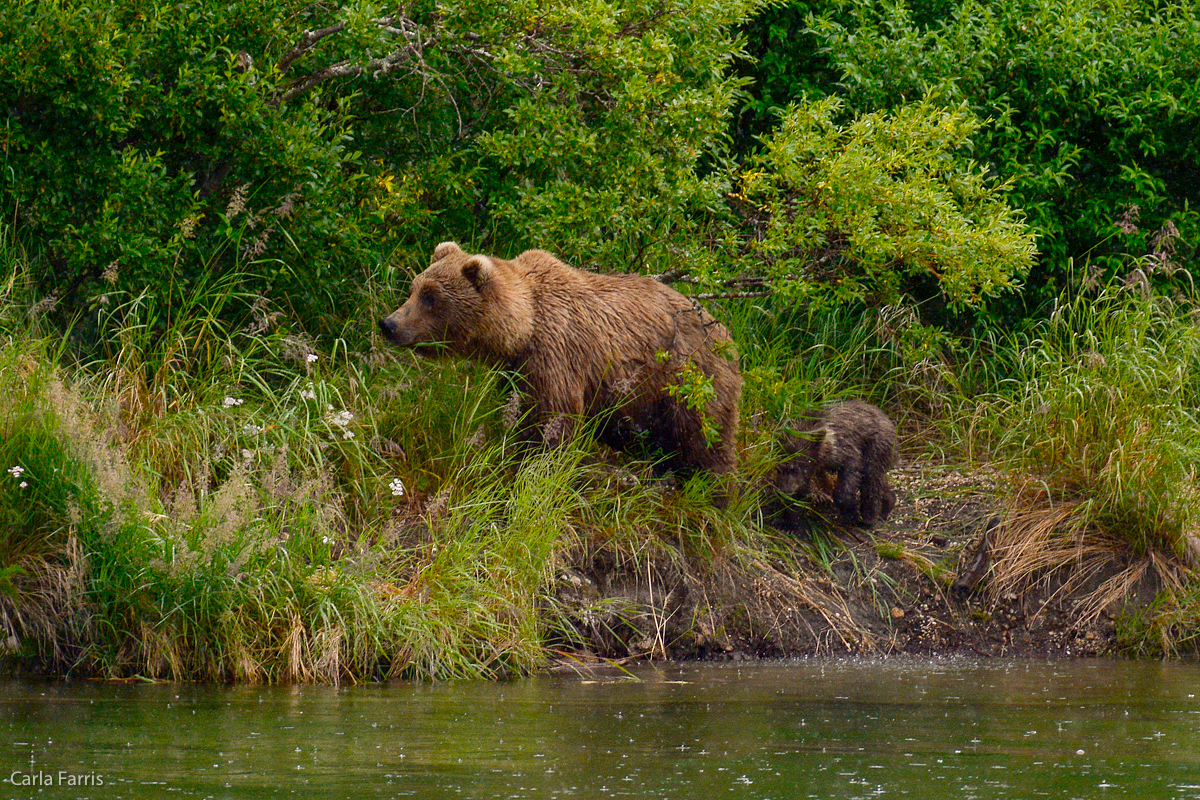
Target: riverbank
{"points": [[949, 573], [237, 503], [936, 578]]}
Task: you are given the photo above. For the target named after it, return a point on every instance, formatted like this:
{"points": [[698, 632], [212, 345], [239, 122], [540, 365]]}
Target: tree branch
{"points": [[306, 43], [397, 26]]}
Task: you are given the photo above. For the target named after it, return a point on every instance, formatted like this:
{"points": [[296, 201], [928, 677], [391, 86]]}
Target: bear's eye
{"points": [[428, 299]]}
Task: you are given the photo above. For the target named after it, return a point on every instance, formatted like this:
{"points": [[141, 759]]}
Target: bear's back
{"points": [[629, 311]]}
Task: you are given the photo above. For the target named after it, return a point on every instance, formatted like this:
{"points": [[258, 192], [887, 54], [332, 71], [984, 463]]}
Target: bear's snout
{"points": [[393, 332]]}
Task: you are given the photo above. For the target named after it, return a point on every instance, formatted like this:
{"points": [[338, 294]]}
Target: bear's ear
{"points": [[478, 270], [444, 249]]}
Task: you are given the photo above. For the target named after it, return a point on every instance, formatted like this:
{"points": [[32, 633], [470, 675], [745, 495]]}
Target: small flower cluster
{"points": [[1127, 222], [511, 414], [341, 419], [397, 487], [46, 305], [187, 227], [16, 472], [256, 248], [230, 402]]}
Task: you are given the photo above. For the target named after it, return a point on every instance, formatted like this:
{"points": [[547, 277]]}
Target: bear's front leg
{"points": [[845, 493], [559, 410]]}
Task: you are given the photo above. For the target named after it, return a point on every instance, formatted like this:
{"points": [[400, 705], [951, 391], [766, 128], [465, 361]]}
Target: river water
{"points": [[855, 728]]}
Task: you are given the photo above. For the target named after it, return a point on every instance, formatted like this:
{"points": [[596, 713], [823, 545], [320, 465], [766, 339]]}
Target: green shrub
{"points": [[1091, 110], [151, 144], [884, 207]]}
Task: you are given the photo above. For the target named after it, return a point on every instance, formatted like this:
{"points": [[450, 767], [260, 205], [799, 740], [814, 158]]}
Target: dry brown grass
{"points": [[48, 603], [779, 596], [1045, 544]]}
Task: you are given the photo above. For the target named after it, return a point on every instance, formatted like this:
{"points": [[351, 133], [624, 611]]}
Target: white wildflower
{"points": [[311, 357], [247, 454], [23, 484], [347, 434], [341, 418], [16, 471], [251, 429], [397, 487], [230, 402], [308, 394]]}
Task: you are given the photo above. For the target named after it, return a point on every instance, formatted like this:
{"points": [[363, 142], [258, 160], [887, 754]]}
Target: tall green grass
{"points": [[212, 495], [1101, 409], [1095, 428]]}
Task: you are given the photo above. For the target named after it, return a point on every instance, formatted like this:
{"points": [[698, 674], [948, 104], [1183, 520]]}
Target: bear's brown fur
{"points": [[587, 345], [853, 439]]}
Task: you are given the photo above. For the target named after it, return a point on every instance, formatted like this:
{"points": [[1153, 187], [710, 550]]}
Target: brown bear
{"points": [[853, 439], [610, 347]]}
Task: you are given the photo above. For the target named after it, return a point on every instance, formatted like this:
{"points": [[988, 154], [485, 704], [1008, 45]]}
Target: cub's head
{"points": [[467, 302]]}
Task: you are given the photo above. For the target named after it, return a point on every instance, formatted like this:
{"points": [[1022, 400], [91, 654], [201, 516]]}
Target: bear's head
{"points": [[476, 305]]}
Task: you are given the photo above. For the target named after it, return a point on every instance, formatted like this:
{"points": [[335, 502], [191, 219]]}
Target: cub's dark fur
{"points": [[853, 439]]}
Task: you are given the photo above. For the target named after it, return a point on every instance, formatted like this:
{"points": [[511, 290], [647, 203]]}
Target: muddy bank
{"points": [[929, 580]]}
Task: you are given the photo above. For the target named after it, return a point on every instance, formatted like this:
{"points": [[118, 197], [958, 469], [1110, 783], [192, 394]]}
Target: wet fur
{"points": [[854, 441], [585, 344]]}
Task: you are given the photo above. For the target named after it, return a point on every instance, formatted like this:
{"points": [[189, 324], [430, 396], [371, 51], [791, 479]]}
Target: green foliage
{"points": [[606, 160], [151, 142], [885, 204], [697, 391], [802, 360], [1091, 108], [130, 126], [782, 64]]}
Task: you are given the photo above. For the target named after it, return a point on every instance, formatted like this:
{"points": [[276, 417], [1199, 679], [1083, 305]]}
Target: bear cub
{"points": [[584, 345], [854, 440]]}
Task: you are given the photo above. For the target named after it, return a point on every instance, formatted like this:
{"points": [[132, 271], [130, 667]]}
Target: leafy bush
{"points": [[152, 143], [884, 204], [134, 136], [1090, 109]]}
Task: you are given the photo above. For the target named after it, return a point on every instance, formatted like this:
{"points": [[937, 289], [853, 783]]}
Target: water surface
{"points": [[812, 728]]}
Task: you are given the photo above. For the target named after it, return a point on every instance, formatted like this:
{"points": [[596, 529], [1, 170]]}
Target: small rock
{"points": [[897, 612]]}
